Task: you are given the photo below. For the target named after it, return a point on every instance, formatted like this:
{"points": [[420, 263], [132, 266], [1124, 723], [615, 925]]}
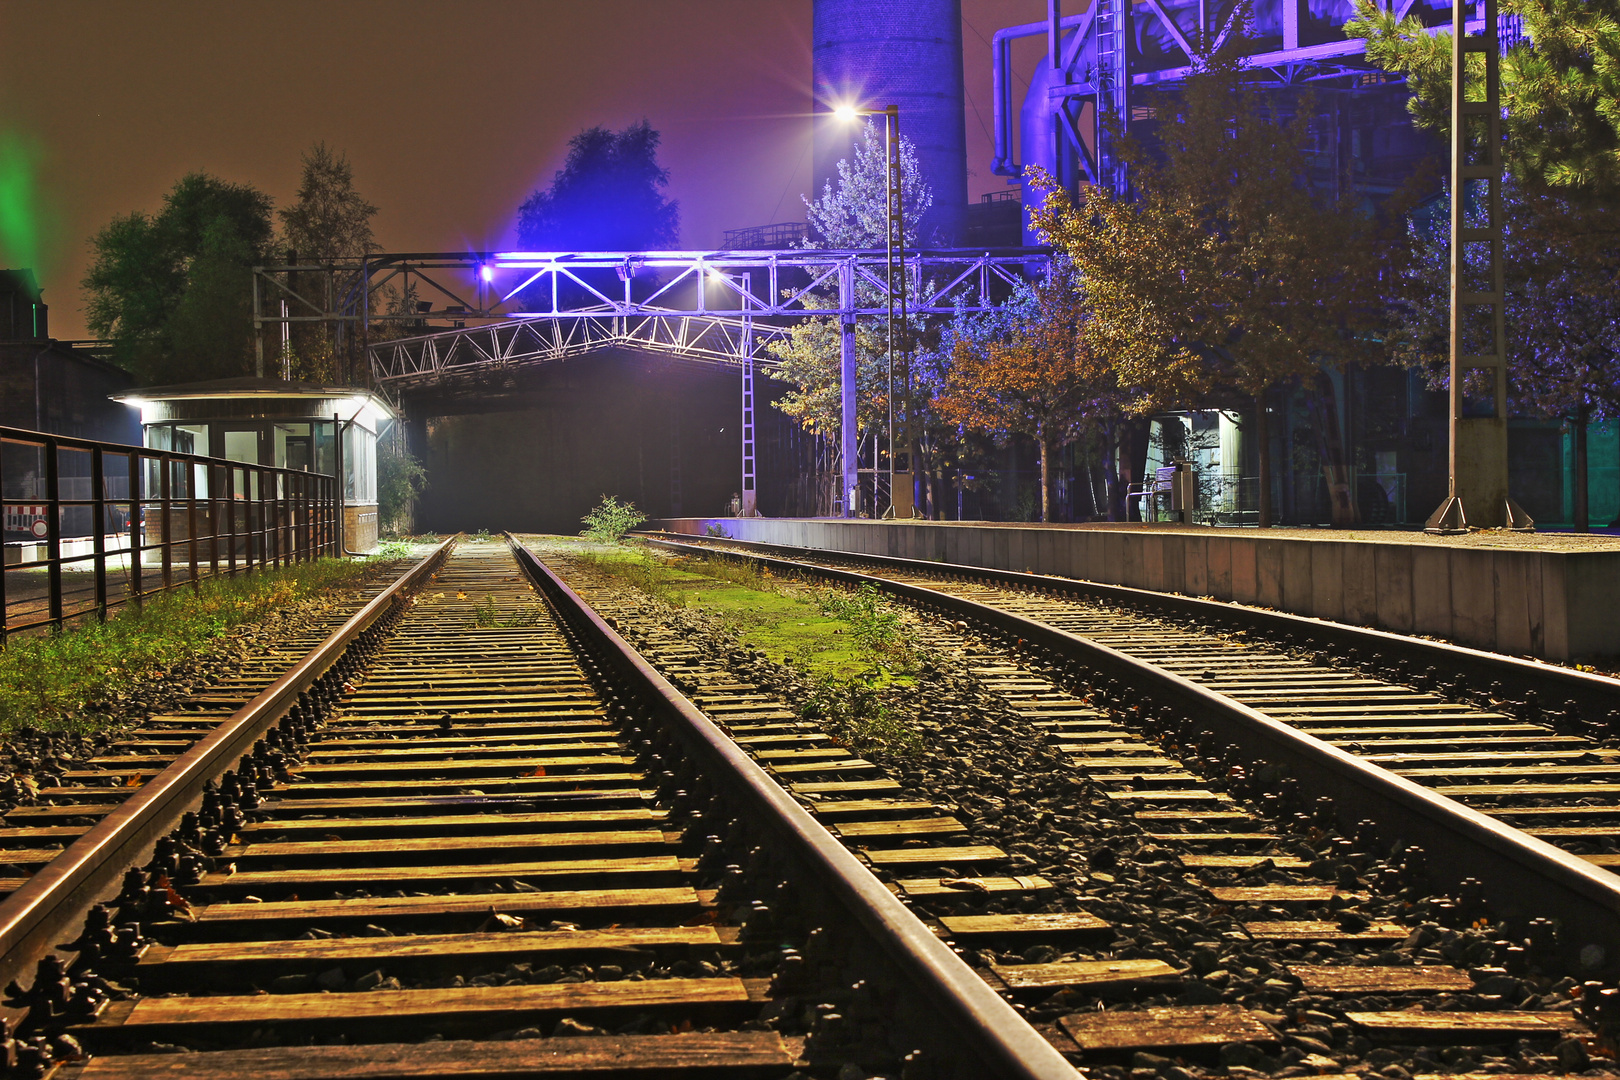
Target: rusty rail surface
{"points": [[192, 516], [51, 905]]}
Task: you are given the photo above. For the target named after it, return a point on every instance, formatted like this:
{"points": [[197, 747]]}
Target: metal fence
{"points": [[90, 525]]}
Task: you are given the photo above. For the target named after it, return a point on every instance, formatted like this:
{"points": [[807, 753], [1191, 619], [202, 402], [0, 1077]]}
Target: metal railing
{"points": [[157, 519]]}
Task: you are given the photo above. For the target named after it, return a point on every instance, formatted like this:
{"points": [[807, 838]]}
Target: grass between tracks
{"points": [[849, 647], [72, 680]]}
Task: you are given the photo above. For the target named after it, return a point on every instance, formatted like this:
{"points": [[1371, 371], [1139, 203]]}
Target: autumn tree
{"points": [[1039, 378], [815, 401], [173, 289], [328, 222], [1560, 82], [1228, 272], [852, 215]]}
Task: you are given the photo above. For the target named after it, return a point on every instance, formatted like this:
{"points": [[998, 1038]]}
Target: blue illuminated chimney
{"points": [[874, 53]]}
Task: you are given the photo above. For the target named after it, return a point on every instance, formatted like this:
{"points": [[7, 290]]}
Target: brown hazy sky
{"points": [[450, 113]]}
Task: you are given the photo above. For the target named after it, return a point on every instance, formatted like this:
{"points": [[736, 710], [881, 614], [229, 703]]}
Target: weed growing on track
{"points": [[851, 647], [854, 713], [487, 615], [62, 681], [610, 520], [874, 621]]}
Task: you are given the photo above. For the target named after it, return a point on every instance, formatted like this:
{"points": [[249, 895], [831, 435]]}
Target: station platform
{"points": [[1550, 595]]}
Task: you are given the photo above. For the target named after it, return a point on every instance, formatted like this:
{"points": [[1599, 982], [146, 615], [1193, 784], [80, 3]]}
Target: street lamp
{"points": [[895, 239]]}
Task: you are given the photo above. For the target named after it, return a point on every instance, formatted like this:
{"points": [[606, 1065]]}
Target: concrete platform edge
{"points": [[1554, 605]]}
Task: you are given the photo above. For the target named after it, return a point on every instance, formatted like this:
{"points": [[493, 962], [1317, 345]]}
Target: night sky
{"points": [[450, 113]]}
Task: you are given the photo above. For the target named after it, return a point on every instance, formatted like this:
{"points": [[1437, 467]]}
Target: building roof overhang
{"points": [[251, 388]]}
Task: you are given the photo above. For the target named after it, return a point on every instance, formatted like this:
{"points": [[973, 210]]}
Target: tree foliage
{"points": [[173, 289], [330, 221], [1229, 273], [608, 196], [1563, 312], [854, 214], [1033, 374], [1560, 86], [401, 480], [808, 360]]}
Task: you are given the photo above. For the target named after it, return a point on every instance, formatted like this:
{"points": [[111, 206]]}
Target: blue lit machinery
{"points": [[1110, 59]]}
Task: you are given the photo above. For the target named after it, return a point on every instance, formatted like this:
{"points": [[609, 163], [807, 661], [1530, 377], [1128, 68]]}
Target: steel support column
{"points": [[1478, 490], [848, 392]]}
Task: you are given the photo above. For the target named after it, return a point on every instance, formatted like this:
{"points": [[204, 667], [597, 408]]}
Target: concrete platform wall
{"points": [[1551, 604]]}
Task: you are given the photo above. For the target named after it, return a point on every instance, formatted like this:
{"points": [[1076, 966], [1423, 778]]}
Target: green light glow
{"points": [[22, 216]]}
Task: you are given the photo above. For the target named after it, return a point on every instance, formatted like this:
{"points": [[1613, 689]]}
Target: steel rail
{"points": [[1588, 688], [1522, 875], [52, 903], [1011, 1047]]}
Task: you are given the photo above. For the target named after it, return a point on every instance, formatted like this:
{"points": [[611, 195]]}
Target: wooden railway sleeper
{"points": [[741, 848], [63, 992]]}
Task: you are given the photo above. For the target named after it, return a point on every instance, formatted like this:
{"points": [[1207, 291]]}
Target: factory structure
{"points": [[1104, 65]]}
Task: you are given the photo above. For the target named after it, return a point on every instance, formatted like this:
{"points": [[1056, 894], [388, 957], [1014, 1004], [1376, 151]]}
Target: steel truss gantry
{"points": [[532, 307], [408, 363], [716, 307], [698, 305]]}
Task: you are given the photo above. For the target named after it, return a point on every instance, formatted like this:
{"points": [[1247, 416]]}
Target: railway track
{"points": [[1531, 745], [61, 785], [1268, 848], [472, 835]]}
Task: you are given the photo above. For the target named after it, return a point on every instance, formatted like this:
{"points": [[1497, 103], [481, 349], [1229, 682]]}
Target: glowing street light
{"points": [[896, 237]]}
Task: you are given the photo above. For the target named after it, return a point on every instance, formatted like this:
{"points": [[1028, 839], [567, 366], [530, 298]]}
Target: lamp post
{"points": [[895, 240]]}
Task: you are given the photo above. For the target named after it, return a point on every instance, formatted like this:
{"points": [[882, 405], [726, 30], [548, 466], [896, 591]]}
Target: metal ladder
{"points": [[1113, 86]]}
